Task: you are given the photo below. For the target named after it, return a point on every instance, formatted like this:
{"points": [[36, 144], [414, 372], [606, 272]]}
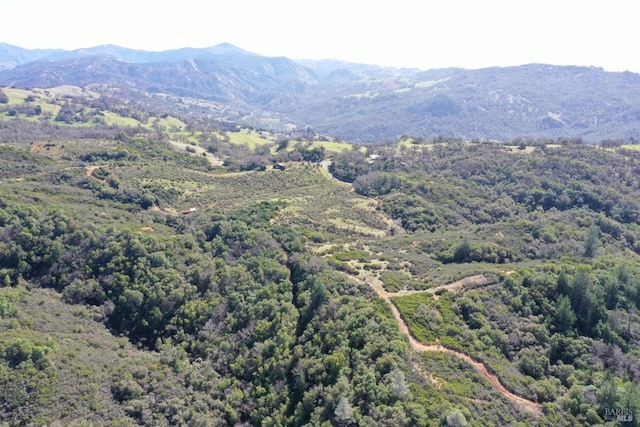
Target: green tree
{"points": [[608, 392], [397, 384], [587, 304], [462, 251], [314, 155], [592, 242], [349, 165], [532, 363], [631, 401], [455, 418], [565, 317], [562, 284]]}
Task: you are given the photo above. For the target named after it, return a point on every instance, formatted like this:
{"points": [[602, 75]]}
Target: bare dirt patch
{"points": [[35, 147]]}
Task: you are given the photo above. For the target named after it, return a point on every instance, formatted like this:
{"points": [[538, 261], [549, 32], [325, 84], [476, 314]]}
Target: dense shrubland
{"points": [[246, 307], [549, 197], [564, 333], [236, 307], [551, 334], [289, 339]]}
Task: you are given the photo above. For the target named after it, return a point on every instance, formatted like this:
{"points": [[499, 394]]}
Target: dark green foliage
{"points": [[551, 324], [532, 363], [579, 201], [565, 317], [108, 155], [376, 184], [233, 290], [591, 242], [349, 165], [586, 301], [463, 251], [314, 155], [238, 306]]}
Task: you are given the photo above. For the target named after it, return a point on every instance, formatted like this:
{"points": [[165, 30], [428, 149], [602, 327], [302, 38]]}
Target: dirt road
{"points": [[518, 401]]}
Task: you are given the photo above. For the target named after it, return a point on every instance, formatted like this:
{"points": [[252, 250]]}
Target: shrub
{"points": [[23, 350], [126, 389]]}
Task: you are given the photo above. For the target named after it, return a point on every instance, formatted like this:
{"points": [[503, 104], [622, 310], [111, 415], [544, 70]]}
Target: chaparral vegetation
{"points": [[159, 269]]}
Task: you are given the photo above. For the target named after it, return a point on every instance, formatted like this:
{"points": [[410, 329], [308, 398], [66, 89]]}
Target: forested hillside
{"points": [[553, 227], [159, 270], [227, 308], [354, 102]]}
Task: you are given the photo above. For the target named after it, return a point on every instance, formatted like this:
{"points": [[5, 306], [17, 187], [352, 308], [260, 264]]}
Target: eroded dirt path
{"points": [[90, 170], [416, 345]]}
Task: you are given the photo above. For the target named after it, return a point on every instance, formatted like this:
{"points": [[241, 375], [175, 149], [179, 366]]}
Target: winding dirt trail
{"points": [[90, 170], [518, 401]]}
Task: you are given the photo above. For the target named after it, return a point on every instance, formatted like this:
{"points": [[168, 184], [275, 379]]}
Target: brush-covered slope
{"points": [[354, 101]]}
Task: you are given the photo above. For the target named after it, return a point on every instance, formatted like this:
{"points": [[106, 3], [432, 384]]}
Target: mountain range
{"points": [[355, 102]]}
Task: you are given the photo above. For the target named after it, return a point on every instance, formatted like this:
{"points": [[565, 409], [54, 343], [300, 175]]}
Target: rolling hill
{"points": [[448, 284], [356, 102]]}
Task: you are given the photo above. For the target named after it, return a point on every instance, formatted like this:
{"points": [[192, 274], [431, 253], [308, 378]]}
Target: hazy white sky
{"points": [[406, 33]]}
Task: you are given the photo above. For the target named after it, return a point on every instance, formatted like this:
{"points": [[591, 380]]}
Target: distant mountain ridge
{"points": [[22, 56], [220, 73], [357, 102], [12, 56]]}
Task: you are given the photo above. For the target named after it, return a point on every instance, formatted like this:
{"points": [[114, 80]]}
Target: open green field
{"points": [[115, 119], [249, 137], [83, 113], [170, 122], [16, 96], [332, 145]]}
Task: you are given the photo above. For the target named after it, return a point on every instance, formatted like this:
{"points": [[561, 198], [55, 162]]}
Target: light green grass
{"points": [[332, 145], [48, 107], [17, 96], [112, 118], [172, 122], [186, 137], [248, 137]]}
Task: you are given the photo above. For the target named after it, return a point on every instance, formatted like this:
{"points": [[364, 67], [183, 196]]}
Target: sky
{"points": [[402, 33]]}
